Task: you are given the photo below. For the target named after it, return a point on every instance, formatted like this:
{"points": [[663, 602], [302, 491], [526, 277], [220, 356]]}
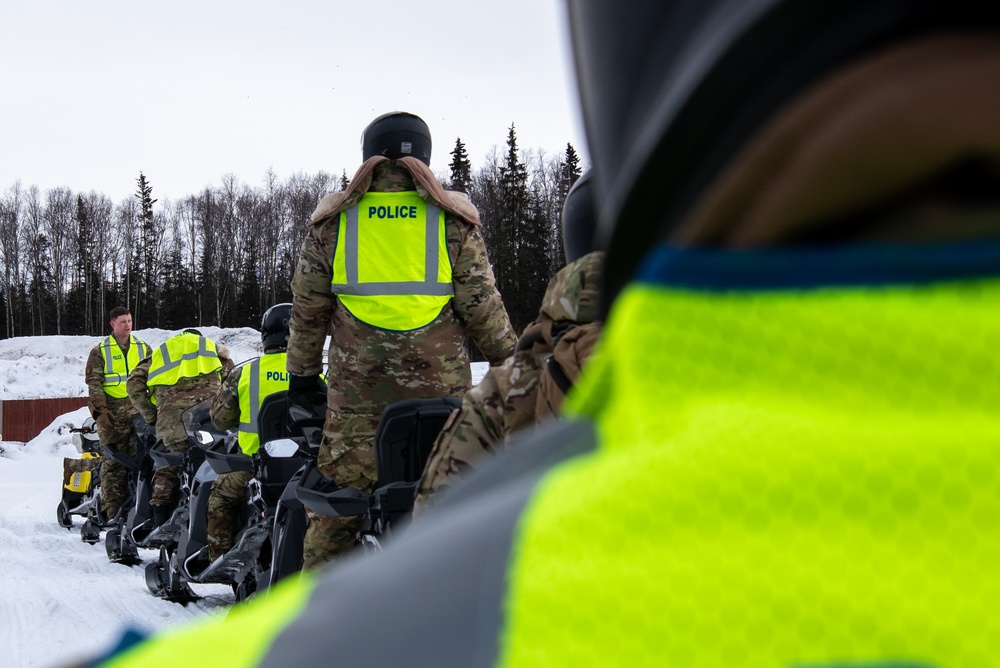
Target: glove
{"points": [[103, 420], [306, 392]]}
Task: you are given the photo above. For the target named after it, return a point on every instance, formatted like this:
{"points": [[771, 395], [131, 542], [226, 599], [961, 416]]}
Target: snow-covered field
{"points": [[40, 367], [60, 598]]}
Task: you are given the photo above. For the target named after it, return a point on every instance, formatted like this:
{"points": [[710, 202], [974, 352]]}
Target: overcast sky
{"points": [[188, 91]]}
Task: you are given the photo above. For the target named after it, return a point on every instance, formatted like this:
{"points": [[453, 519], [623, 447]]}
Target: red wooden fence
{"points": [[23, 419]]}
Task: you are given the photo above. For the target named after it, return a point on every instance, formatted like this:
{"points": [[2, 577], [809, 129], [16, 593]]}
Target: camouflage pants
{"points": [[114, 478], [347, 456], [166, 479], [229, 492]]}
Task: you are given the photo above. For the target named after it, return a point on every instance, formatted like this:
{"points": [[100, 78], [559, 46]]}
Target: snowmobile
{"points": [[247, 565], [404, 438], [291, 432], [81, 492]]}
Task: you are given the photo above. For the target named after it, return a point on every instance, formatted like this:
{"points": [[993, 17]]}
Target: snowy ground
{"points": [[41, 367], [61, 599]]}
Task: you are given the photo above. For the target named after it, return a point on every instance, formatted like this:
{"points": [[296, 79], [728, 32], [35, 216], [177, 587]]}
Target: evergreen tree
{"points": [[514, 181], [208, 280], [344, 181], [79, 301], [178, 295], [247, 303], [569, 172], [514, 211], [147, 272], [461, 168]]}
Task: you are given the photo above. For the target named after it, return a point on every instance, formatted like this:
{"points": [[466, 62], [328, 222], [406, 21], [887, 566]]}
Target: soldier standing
{"points": [[108, 365], [396, 270], [237, 403], [185, 369]]}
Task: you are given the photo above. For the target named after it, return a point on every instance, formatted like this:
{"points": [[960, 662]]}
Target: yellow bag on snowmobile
{"points": [[79, 480]]}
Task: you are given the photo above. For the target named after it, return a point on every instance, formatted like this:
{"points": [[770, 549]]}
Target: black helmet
{"points": [[579, 219], [670, 91], [396, 135], [274, 326]]}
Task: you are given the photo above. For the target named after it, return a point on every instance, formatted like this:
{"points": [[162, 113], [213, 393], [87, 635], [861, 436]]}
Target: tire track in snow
{"points": [[60, 598]]}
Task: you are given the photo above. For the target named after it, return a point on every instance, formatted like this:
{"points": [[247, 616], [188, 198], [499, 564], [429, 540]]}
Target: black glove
{"points": [[308, 393]]}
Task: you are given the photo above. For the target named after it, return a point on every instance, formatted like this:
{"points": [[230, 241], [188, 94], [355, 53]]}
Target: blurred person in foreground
{"points": [[531, 385], [395, 270], [785, 448]]}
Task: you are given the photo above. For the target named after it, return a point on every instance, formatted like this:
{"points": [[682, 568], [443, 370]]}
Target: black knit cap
{"points": [[672, 89], [396, 135]]}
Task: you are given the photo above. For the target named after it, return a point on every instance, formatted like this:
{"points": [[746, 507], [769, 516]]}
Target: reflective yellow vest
{"points": [[117, 365], [183, 356], [391, 267], [259, 379]]}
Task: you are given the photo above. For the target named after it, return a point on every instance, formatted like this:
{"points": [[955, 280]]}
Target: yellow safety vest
{"points": [[259, 379], [183, 356], [117, 365], [391, 267]]}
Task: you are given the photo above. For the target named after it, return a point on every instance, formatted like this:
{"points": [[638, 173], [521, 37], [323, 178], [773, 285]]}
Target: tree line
{"points": [[223, 256]]}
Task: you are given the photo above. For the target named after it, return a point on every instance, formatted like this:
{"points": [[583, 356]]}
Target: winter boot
{"points": [[160, 515]]}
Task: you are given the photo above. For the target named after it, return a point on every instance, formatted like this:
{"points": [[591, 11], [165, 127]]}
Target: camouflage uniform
{"points": [[171, 402], [229, 490], [114, 476], [370, 368], [521, 392]]}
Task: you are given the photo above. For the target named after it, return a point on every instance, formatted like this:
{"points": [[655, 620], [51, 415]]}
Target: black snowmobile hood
{"points": [[671, 90]]}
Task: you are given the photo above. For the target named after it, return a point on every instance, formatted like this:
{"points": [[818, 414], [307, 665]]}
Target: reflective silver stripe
{"points": [[397, 288], [254, 371], [167, 364], [455, 570], [430, 286], [173, 364], [109, 366], [432, 230], [351, 246]]}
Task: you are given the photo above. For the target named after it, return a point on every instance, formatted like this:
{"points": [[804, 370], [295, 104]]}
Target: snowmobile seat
{"points": [[405, 436]]}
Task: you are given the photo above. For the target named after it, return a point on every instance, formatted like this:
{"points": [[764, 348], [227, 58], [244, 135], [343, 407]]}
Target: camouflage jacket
{"points": [[120, 411], [225, 411], [522, 391], [173, 400], [369, 367]]}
